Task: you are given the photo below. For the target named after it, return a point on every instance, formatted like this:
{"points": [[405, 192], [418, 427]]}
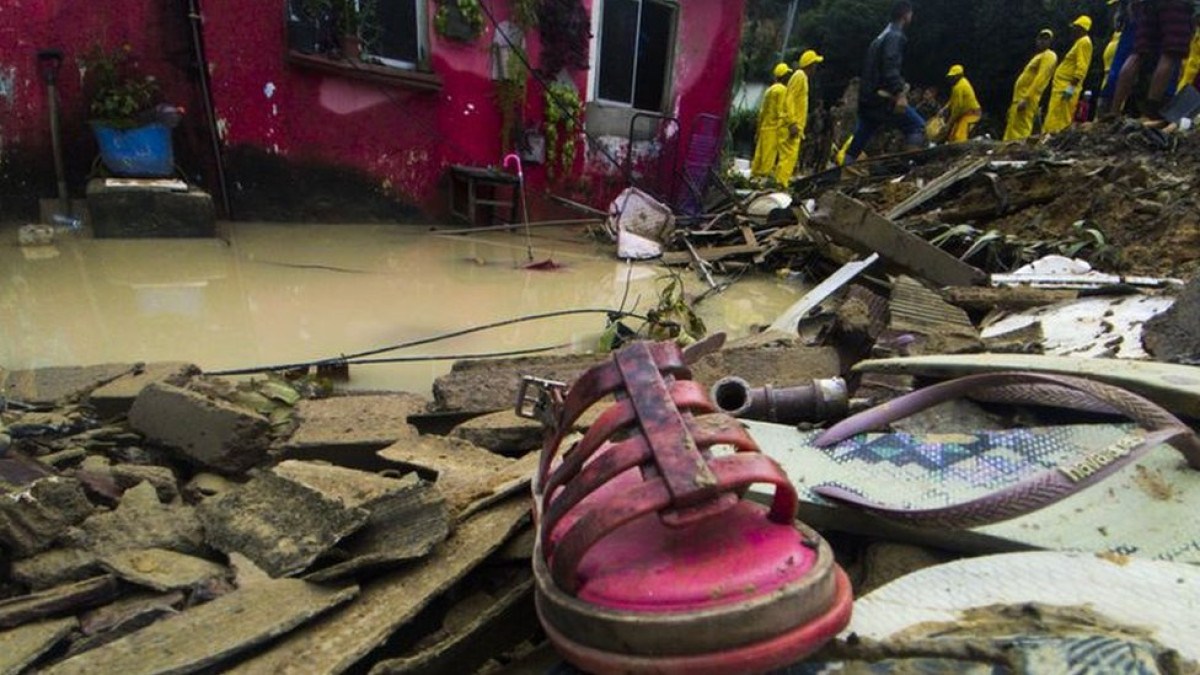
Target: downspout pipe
{"points": [[197, 20], [813, 401]]}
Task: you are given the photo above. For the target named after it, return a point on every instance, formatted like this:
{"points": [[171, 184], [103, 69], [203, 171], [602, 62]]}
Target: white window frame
{"points": [[422, 41], [594, 61]]}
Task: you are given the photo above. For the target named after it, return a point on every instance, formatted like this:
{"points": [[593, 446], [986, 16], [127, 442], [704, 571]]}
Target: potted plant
{"points": [[460, 20], [355, 24], [131, 123], [310, 25]]}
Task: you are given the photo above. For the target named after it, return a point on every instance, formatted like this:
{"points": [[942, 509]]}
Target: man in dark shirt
{"points": [[883, 98]]}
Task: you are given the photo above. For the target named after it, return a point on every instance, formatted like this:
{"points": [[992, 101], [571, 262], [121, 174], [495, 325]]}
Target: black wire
{"points": [[457, 357], [344, 358]]}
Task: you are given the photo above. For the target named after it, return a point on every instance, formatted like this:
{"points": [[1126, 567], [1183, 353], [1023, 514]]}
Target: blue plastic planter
{"points": [[142, 151]]}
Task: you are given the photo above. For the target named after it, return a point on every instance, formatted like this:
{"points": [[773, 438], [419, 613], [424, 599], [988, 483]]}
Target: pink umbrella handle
{"points": [[516, 158]]}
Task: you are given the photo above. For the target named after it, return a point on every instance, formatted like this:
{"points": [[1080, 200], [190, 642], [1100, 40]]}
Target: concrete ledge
{"points": [[131, 212]]}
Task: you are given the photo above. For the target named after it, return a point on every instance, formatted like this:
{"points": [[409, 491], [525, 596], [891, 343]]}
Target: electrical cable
{"points": [[349, 358], [457, 357]]}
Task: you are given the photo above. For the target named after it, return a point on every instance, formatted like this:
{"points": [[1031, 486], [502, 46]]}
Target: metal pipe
{"points": [[50, 61], [210, 112], [814, 401]]}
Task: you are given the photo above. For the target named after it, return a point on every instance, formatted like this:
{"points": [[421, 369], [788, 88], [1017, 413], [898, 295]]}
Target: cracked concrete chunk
{"points": [[33, 517], [350, 487], [47, 386], [502, 432], [162, 570], [356, 422], [117, 397], [490, 385], [218, 435], [278, 523], [162, 478], [55, 567], [210, 634], [20, 647], [467, 475], [142, 521], [118, 619]]}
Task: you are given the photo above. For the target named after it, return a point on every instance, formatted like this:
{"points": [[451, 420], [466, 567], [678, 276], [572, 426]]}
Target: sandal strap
{"points": [[733, 472], [1039, 490]]}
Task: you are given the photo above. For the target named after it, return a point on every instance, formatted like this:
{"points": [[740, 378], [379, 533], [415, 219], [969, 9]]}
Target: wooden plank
{"points": [[790, 319], [983, 299], [852, 223], [709, 254], [20, 647], [337, 642], [936, 187], [1173, 386], [209, 634], [60, 600], [503, 622]]}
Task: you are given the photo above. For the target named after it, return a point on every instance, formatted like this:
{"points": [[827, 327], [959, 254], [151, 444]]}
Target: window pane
{"points": [[398, 35], [618, 38], [654, 53]]}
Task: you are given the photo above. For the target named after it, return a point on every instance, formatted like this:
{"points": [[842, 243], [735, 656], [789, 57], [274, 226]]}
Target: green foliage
{"points": [[118, 91], [468, 12], [673, 318], [563, 119], [525, 13]]}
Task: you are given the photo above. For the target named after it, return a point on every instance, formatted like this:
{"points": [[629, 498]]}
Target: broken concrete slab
{"points": [[338, 641], [403, 526], [490, 385], [278, 523], [141, 521], [162, 478], [350, 487], [48, 386], [784, 365], [21, 647], [937, 326], [1174, 335], [57, 601], [210, 634], [465, 473], [502, 432], [55, 567], [851, 223], [218, 435], [118, 619], [116, 398], [474, 630], [33, 517], [162, 570], [354, 423]]}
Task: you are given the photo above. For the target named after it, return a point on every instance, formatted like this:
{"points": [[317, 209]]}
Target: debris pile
{"points": [[153, 519]]}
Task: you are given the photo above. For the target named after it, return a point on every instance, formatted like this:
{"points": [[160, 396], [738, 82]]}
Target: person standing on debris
{"points": [[883, 98], [963, 107], [1191, 67], [1165, 28], [1030, 86], [772, 122], [1125, 35], [797, 109], [1068, 79]]}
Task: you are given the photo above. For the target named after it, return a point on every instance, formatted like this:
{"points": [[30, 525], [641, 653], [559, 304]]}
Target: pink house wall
{"points": [[401, 137]]}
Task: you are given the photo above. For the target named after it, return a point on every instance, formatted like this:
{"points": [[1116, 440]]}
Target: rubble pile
{"points": [[152, 520]]}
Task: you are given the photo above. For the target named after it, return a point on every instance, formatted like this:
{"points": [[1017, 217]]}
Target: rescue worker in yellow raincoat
{"points": [[1068, 79], [1030, 86], [963, 107], [772, 122], [1110, 53], [797, 97]]}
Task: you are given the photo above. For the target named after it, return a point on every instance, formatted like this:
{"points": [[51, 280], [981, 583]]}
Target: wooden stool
{"points": [[488, 180]]}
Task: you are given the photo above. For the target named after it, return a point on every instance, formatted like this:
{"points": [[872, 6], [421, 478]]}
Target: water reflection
{"points": [[285, 293]]}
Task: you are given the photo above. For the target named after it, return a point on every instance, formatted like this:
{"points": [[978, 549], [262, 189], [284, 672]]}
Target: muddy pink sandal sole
{"points": [[648, 557]]}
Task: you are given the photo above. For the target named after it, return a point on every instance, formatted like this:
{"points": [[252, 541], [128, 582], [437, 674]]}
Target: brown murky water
{"points": [[290, 293]]}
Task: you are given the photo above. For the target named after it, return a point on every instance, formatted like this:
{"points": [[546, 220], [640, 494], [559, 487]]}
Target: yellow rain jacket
{"points": [[1071, 72], [1110, 53], [797, 113], [964, 111], [1030, 87], [772, 119], [1191, 67]]}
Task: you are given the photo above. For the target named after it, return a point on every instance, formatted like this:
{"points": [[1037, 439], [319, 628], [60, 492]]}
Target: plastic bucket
{"points": [[141, 151]]}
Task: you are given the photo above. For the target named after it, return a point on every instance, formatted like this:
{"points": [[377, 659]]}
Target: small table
{"points": [[487, 181]]}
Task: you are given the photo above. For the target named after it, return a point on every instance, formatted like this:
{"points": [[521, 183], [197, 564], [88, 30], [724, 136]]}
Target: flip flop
{"points": [[1094, 487], [649, 558]]}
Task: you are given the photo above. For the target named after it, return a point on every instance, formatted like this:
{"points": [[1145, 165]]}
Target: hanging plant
{"points": [[565, 30], [510, 98], [525, 13], [460, 20], [563, 113]]}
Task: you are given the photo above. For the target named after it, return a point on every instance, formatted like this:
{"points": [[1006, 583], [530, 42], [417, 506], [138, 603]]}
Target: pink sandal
{"points": [[649, 559]]}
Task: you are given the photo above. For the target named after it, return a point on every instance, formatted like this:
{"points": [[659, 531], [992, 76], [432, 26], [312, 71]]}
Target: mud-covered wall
{"points": [[157, 37]]}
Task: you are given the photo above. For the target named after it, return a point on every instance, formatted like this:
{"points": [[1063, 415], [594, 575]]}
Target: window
{"points": [[398, 37], [636, 46]]}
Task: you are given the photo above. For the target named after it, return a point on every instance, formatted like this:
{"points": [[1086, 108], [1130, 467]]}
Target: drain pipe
{"points": [[209, 111], [815, 401], [49, 62]]}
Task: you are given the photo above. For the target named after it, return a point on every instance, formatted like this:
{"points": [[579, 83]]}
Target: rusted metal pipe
{"points": [[814, 401]]}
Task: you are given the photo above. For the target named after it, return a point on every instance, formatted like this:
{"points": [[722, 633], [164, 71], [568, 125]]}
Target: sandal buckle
{"points": [[538, 398]]}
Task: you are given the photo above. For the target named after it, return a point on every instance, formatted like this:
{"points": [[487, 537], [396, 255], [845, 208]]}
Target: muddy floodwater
{"points": [[275, 293]]}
